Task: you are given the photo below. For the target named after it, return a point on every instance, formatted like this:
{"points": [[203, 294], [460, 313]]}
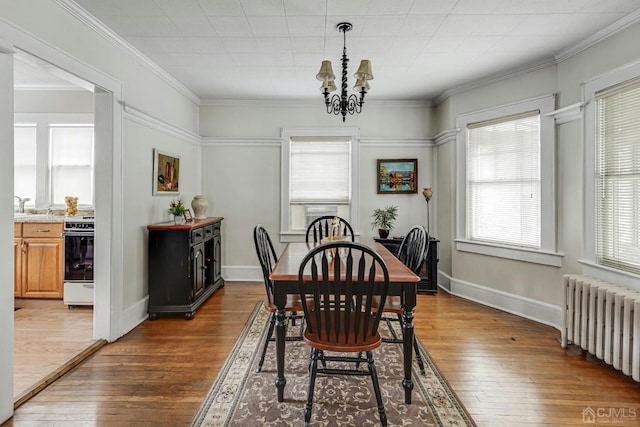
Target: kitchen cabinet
{"points": [[39, 253], [185, 265]]}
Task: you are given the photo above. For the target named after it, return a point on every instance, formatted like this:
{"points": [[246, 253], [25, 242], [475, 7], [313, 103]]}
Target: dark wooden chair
{"points": [[268, 259], [412, 252], [321, 227], [338, 282]]}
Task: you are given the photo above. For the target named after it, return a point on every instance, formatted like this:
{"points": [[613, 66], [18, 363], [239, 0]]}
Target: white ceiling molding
{"points": [[496, 78], [601, 35], [90, 21], [140, 117]]}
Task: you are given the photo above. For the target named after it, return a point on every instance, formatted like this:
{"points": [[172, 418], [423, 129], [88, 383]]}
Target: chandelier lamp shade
{"points": [[344, 103]]}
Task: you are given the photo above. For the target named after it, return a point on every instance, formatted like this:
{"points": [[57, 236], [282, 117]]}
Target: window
{"points": [[318, 175], [503, 180], [53, 158], [506, 182], [617, 186], [71, 166], [25, 164]]}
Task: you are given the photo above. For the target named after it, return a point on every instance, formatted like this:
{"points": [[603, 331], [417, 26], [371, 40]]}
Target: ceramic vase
{"points": [[199, 204], [179, 219]]}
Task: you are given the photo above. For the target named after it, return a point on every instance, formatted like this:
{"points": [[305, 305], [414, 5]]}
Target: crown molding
{"points": [[496, 78], [139, 116], [563, 55], [601, 35], [99, 28]]}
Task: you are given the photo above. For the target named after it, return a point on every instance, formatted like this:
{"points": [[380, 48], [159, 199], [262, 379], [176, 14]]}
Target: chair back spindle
{"points": [[338, 281], [323, 226]]}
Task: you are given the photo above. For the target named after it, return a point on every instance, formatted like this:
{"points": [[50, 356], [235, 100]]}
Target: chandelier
{"points": [[343, 103]]}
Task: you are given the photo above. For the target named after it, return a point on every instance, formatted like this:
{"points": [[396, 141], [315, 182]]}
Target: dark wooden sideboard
{"points": [[428, 283], [185, 265]]}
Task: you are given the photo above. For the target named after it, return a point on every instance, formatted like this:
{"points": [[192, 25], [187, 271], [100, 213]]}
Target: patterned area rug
{"points": [[241, 397]]}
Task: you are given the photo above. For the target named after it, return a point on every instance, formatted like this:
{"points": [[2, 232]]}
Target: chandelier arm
{"points": [[334, 105]]}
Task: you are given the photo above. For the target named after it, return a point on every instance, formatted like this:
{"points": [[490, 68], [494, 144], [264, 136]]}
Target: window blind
{"points": [[503, 180], [71, 163], [24, 181], [618, 177], [320, 171]]}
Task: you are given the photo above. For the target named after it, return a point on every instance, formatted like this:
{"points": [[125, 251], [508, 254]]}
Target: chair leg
{"points": [[313, 368], [418, 356], [272, 323], [376, 388]]}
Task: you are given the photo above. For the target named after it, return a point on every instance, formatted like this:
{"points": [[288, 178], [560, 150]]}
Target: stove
{"points": [[78, 237], [81, 223]]}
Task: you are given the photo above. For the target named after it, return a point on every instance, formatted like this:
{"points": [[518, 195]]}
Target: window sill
{"points": [[611, 275], [553, 259]]}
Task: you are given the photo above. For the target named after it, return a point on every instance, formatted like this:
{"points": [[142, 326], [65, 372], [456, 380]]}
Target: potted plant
{"points": [[383, 220], [176, 208]]}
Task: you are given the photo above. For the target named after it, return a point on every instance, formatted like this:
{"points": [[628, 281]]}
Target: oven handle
{"points": [[78, 233]]}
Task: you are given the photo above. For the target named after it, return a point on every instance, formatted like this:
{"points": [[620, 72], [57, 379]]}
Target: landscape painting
{"points": [[397, 176]]}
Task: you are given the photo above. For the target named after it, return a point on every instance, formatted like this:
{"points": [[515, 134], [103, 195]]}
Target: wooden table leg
{"points": [[407, 332], [281, 333]]}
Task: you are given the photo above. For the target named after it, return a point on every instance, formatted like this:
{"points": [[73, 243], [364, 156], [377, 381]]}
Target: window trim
{"points": [[589, 90], [546, 254], [286, 234]]}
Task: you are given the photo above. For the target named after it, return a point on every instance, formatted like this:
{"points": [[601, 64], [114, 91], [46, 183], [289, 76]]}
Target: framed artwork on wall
{"points": [[397, 176], [166, 173]]}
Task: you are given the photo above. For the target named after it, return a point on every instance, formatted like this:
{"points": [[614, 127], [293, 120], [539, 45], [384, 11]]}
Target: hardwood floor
{"points": [[506, 370], [48, 339]]}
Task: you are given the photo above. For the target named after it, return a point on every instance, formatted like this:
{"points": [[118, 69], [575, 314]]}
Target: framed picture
{"points": [[187, 215], [166, 173], [397, 176]]}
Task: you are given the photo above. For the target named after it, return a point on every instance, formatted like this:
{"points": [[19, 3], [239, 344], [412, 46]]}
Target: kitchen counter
{"points": [[18, 217]]}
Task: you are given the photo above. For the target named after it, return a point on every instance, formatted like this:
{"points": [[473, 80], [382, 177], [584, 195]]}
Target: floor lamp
{"points": [[427, 193]]}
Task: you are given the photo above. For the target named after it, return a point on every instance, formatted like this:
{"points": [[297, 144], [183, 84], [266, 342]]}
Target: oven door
{"points": [[78, 256]]}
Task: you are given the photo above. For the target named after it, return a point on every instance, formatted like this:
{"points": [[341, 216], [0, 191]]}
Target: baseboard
{"points": [[134, 315], [242, 273], [537, 311]]}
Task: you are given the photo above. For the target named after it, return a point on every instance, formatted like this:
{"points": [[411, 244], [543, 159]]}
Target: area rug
{"points": [[241, 397]]}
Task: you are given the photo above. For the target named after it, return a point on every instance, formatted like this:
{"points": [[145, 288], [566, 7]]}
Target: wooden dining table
{"points": [[402, 282]]}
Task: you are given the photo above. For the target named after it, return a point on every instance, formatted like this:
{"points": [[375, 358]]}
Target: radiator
{"points": [[603, 319]]}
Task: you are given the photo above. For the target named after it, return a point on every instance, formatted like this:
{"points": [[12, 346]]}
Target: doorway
{"points": [[48, 335]]}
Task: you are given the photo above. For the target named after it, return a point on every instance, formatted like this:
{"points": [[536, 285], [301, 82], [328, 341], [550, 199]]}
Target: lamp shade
{"points": [[329, 85], [364, 71], [326, 72], [361, 86]]}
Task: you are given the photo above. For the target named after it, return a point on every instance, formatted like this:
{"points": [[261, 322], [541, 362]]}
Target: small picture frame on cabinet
{"points": [[187, 215]]}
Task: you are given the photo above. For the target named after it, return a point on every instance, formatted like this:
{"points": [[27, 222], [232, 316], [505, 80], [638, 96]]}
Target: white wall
{"points": [[532, 290], [148, 110], [241, 166]]}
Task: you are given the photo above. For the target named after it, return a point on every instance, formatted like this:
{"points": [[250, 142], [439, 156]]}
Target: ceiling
{"points": [[272, 49]]}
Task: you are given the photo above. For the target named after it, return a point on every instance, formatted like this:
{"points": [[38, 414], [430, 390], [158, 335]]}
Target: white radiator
{"points": [[603, 319]]}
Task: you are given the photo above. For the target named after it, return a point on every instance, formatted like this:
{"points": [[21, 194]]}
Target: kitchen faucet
{"points": [[21, 203]]}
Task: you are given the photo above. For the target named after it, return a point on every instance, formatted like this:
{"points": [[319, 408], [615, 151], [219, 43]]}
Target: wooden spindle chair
{"points": [[320, 228], [338, 282], [268, 259]]}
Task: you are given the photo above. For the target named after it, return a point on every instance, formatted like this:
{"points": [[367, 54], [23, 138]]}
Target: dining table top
{"points": [[287, 267]]}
